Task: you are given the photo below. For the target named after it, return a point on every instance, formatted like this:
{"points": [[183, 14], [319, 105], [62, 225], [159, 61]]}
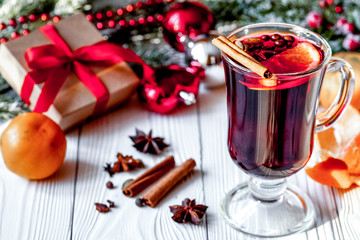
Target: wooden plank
{"points": [[38, 209], [100, 142]]}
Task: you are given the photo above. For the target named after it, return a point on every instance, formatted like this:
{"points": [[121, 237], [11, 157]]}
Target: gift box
{"points": [[104, 82]]}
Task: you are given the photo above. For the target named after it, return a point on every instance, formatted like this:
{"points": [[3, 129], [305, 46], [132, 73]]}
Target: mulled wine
{"points": [[272, 121]]}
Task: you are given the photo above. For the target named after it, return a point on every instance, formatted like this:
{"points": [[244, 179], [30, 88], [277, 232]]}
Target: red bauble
{"points": [[186, 18], [351, 42], [314, 19], [170, 87]]}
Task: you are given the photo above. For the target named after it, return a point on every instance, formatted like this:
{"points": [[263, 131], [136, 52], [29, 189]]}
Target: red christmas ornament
{"points": [[12, 22], [170, 87], [23, 19], [2, 26], [314, 19], [351, 42], [186, 18]]}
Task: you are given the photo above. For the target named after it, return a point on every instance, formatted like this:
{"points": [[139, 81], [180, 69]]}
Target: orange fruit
{"points": [[33, 146], [297, 59]]}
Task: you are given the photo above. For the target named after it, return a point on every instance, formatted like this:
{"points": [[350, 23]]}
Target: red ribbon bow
{"points": [[51, 64]]}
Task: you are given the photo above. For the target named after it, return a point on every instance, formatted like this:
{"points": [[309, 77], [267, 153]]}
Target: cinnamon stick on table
{"points": [[160, 189], [241, 56], [149, 177]]}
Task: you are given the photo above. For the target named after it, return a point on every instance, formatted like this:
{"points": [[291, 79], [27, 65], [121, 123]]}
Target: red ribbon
{"points": [[51, 64]]}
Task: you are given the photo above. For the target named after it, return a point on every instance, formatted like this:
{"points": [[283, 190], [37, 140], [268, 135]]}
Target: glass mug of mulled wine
{"points": [[272, 122]]}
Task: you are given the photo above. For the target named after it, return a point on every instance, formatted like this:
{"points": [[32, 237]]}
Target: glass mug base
{"points": [[291, 212]]}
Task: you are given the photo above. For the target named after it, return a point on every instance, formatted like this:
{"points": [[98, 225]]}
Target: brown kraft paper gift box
{"points": [[74, 103]]}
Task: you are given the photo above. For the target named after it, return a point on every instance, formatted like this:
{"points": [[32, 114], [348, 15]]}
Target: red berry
{"points": [[150, 19], [3, 40], [120, 11], [14, 35], [139, 4], [314, 19], [56, 19], [122, 23], [111, 23], [89, 17], [329, 2], [12, 22], [45, 17], [32, 17], [351, 42], [159, 17], [25, 32], [23, 19], [339, 9], [348, 28], [2, 26], [109, 14], [99, 16], [132, 23], [129, 8], [141, 20], [100, 25]]}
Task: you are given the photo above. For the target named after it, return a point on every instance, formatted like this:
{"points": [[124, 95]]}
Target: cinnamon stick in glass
{"points": [[149, 177], [153, 196], [241, 56]]}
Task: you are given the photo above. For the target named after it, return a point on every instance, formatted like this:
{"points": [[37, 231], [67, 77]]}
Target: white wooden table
{"points": [[62, 207]]}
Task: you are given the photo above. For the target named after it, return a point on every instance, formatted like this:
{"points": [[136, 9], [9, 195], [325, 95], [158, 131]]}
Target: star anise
{"points": [[123, 164], [188, 212], [147, 143]]}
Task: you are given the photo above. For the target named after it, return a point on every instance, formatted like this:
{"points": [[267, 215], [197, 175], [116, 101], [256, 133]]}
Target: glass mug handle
{"points": [[327, 118]]}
